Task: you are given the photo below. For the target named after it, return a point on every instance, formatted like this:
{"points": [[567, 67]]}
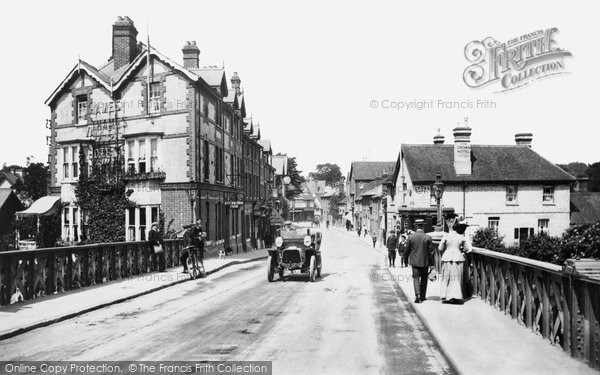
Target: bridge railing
{"points": [[30, 274], [559, 303]]}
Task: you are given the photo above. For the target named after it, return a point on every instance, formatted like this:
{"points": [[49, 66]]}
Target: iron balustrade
{"points": [[556, 302], [40, 272]]}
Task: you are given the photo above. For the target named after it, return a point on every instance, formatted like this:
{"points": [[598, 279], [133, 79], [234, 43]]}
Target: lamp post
{"points": [[438, 191]]}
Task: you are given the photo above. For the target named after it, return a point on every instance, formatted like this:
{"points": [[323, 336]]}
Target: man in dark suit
{"points": [[419, 254], [392, 245]]}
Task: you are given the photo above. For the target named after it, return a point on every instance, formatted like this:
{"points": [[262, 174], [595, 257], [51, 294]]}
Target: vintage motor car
{"points": [[298, 249]]}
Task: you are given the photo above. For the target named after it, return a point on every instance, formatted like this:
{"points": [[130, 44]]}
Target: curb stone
{"points": [[48, 322]]}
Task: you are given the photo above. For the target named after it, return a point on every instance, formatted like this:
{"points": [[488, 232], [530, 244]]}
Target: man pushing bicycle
{"points": [[193, 243]]}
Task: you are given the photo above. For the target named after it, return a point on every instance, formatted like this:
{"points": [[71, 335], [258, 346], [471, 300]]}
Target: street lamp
{"points": [[438, 191]]}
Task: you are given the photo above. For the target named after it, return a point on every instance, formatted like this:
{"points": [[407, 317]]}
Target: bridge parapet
{"points": [[560, 303], [29, 274]]}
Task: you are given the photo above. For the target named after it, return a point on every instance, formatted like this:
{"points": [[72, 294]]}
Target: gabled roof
{"points": [[585, 207], [4, 195], [105, 74], [215, 77], [513, 163], [11, 178], [266, 145], [370, 170], [372, 188]]}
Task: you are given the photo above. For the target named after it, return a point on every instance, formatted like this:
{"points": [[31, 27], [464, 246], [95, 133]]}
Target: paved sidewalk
{"points": [[22, 317], [475, 337]]}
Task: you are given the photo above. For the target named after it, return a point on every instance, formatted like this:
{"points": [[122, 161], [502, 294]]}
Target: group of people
{"points": [[193, 239], [417, 249]]}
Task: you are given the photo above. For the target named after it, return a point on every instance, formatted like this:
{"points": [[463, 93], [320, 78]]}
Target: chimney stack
{"points": [[191, 54], [124, 42], [438, 139], [235, 82], [462, 149], [523, 139]]}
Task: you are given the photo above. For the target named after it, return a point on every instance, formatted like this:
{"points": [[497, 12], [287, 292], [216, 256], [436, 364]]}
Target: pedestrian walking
{"points": [[392, 245], [327, 224], [374, 238], [419, 255], [453, 246], [358, 230], [402, 249], [156, 244]]}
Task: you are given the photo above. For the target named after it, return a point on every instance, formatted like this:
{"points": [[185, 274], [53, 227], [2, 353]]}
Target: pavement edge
{"points": [[444, 350], [48, 322]]}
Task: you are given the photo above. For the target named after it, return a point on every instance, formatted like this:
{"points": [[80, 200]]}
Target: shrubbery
{"points": [[582, 241]]}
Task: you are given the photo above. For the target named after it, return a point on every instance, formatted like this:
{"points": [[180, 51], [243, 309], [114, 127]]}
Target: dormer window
{"points": [[82, 107]]}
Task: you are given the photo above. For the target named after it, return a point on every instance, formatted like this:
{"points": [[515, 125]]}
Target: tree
{"points": [[328, 172], [576, 169], [103, 197], [334, 203], [593, 172], [294, 189]]}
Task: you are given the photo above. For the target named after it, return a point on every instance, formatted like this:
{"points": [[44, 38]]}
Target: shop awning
{"points": [[41, 207]]}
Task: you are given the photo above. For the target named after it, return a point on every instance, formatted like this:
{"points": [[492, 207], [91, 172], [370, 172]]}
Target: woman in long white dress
{"points": [[452, 246]]}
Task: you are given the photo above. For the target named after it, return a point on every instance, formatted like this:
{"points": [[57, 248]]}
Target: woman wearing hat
{"points": [[156, 243], [453, 246]]}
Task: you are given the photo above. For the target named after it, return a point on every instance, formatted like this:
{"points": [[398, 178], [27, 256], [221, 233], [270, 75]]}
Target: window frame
{"points": [[550, 194], [514, 194]]}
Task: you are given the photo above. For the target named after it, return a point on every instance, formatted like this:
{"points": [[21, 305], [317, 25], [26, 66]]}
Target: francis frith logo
{"points": [[514, 63]]}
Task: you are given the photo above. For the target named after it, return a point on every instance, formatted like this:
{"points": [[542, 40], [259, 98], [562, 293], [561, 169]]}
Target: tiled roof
{"points": [[585, 207], [370, 170], [370, 189], [265, 144], [11, 178], [490, 163]]}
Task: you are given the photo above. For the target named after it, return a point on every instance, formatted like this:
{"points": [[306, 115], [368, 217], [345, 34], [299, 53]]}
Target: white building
{"points": [[510, 188]]}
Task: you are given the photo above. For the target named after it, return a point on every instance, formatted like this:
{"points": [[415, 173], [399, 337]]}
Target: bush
{"points": [[488, 238], [582, 241], [541, 247]]}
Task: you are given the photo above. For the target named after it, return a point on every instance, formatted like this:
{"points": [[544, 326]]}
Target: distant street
{"points": [[347, 322]]}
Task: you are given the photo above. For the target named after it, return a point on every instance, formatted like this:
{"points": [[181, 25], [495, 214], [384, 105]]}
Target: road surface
{"points": [[350, 321]]}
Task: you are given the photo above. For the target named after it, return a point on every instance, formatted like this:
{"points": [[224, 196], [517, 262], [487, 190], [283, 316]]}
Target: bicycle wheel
{"points": [[201, 269], [192, 267]]}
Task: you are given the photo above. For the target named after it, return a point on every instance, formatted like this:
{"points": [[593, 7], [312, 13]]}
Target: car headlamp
{"points": [[307, 241], [278, 241]]}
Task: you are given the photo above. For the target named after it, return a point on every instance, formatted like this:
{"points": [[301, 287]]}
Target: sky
{"points": [[313, 71]]}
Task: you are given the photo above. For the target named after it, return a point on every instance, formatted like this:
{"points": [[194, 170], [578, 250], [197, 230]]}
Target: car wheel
{"points": [[270, 270], [313, 268], [319, 267]]}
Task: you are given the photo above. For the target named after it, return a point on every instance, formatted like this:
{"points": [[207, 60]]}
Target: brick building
{"points": [[187, 148], [507, 187]]}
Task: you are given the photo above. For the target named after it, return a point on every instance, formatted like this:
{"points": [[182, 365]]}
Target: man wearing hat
{"points": [[156, 243], [392, 245]]}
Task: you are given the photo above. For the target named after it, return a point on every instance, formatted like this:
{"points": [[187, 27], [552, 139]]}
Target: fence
{"points": [[559, 303], [35, 273]]}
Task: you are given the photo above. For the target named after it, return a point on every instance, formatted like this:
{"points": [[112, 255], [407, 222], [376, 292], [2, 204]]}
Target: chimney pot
{"points": [[523, 139], [236, 82], [438, 139], [124, 42], [462, 149], [191, 54]]}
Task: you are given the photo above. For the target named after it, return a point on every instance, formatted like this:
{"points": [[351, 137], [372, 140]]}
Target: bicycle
{"points": [[195, 265]]}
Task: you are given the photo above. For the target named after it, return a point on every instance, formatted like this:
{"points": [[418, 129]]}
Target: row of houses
{"points": [[510, 188], [189, 147]]}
